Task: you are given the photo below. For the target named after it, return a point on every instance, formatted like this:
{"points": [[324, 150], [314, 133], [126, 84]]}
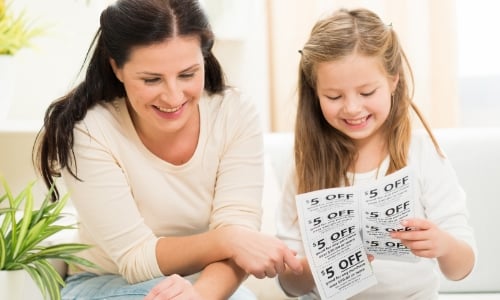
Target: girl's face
{"points": [[355, 95], [164, 83]]}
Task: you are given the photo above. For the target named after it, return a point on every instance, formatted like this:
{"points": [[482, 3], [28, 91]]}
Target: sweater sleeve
{"points": [[108, 214], [442, 196], [239, 182]]}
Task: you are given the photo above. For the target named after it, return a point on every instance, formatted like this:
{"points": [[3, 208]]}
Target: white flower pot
{"points": [[6, 84], [18, 285]]}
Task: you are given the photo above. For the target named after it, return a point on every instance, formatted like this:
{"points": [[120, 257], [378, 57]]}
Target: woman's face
{"points": [[164, 83], [355, 95]]}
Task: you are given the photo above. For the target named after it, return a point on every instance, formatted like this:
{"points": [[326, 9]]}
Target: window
{"points": [[479, 63]]}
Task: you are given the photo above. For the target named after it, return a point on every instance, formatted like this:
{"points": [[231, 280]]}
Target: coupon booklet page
{"points": [[340, 226]]}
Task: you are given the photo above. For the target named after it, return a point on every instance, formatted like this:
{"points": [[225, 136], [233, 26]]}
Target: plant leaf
{"points": [[50, 280], [16, 31], [36, 276], [3, 251], [73, 259], [25, 221], [22, 238]]}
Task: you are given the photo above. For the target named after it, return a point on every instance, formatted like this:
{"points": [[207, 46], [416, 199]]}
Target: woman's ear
{"points": [[116, 70]]}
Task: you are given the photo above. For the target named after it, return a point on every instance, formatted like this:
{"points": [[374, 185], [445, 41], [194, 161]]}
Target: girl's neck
{"points": [[370, 155]]}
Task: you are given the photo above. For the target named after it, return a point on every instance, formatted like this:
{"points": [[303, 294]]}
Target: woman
{"points": [[163, 162]]}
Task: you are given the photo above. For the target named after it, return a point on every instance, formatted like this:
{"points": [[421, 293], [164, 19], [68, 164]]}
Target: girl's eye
{"points": [[369, 93], [333, 98]]}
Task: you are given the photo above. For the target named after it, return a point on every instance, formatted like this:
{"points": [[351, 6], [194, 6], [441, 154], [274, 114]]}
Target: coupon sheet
{"points": [[340, 226]]}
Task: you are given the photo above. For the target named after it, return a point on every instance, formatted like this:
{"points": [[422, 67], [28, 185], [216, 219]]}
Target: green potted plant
{"points": [[16, 30], [24, 231]]}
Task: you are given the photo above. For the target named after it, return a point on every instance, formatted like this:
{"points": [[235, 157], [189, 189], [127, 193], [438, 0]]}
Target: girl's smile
{"points": [[354, 95], [357, 123]]}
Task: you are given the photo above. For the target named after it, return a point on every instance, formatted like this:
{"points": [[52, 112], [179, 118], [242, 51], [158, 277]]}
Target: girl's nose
{"points": [[352, 104]]}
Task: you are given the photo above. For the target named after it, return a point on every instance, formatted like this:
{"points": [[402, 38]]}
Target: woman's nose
{"points": [[172, 93]]}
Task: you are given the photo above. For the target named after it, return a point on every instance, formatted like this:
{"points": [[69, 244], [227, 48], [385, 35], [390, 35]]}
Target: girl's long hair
{"points": [[323, 155]]}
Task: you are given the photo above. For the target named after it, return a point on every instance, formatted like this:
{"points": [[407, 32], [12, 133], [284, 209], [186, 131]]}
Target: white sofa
{"points": [[474, 152]]}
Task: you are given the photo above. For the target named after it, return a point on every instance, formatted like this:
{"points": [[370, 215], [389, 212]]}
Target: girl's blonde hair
{"points": [[323, 155]]}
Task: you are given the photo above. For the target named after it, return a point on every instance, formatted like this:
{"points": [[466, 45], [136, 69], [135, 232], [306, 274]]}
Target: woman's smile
{"points": [[169, 110]]}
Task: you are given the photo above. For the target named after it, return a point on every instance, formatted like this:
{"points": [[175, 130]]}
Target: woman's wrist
{"points": [[223, 243]]}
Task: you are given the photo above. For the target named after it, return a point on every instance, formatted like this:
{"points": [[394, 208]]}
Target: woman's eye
{"points": [[186, 75], [151, 80]]}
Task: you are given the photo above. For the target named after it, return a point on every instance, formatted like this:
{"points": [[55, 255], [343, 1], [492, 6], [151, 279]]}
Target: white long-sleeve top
{"points": [[440, 200], [128, 198]]}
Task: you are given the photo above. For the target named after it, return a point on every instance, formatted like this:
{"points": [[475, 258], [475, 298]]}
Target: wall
{"points": [[49, 69]]}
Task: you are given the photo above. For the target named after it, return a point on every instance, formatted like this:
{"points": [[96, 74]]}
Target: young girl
{"points": [[353, 126]]}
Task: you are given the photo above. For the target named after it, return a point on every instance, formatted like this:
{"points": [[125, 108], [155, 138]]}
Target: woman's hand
{"points": [[259, 254], [173, 287], [297, 284]]}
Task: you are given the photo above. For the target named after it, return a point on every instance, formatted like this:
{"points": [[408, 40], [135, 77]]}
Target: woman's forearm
{"points": [[190, 254], [219, 280], [255, 253]]}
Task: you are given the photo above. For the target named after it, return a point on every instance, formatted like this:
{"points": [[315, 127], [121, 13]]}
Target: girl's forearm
{"points": [[458, 263]]}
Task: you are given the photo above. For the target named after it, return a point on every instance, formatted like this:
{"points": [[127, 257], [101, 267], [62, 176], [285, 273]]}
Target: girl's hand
{"points": [[259, 254], [173, 287], [425, 239]]}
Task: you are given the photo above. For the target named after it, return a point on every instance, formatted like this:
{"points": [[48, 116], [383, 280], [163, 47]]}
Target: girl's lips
{"points": [[356, 122]]}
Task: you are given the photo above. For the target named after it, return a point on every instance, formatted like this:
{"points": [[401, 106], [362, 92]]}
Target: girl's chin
{"points": [[358, 134]]}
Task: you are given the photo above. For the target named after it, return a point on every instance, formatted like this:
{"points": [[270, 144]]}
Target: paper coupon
{"points": [[340, 226]]}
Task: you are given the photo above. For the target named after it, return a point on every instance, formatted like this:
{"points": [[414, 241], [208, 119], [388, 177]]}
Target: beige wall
{"points": [[16, 166]]}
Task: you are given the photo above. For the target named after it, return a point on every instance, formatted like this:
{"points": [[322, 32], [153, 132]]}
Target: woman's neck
{"points": [[175, 147]]}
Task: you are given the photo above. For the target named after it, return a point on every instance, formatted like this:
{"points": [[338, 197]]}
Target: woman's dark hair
{"points": [[124, 25]]}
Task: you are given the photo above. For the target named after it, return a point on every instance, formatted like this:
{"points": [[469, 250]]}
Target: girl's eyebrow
{"points": [[370, 84]]}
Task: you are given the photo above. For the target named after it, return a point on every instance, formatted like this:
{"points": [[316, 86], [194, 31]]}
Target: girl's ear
{"points": [[394, 82], [116, 70]]}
